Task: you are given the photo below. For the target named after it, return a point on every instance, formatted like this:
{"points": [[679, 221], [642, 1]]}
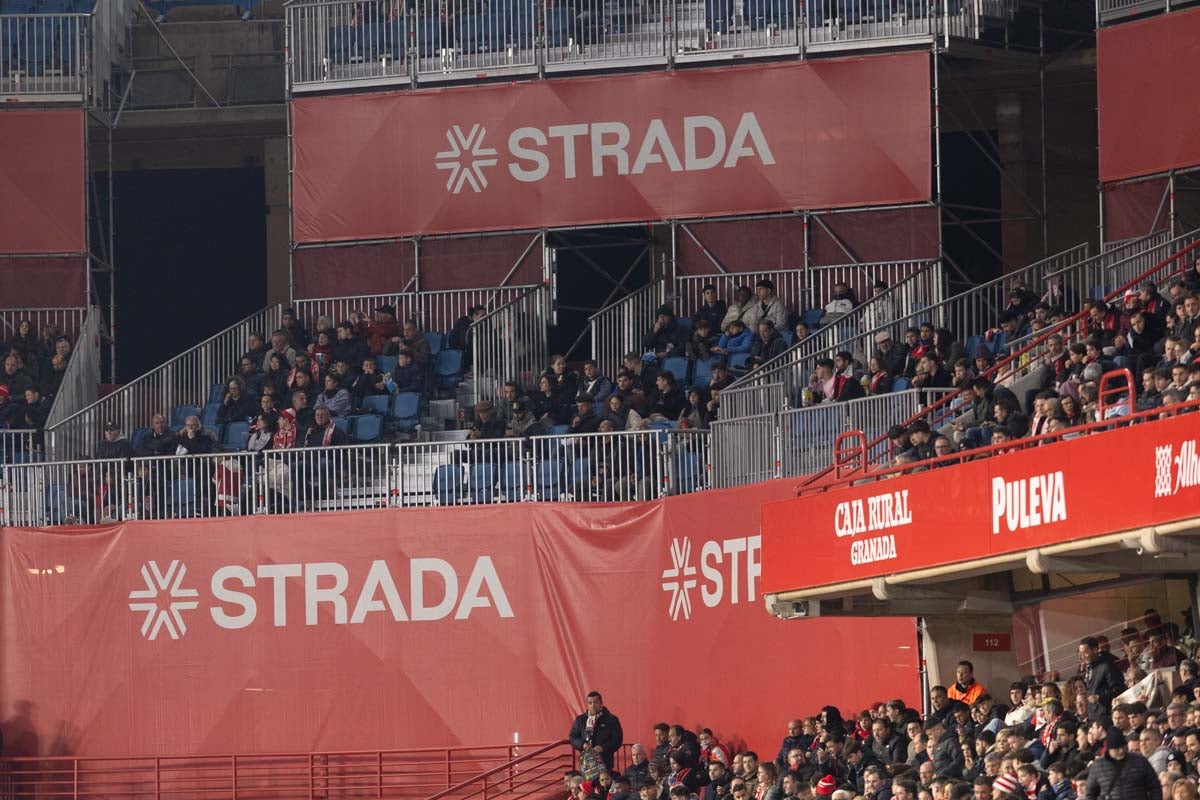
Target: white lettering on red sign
{"points": [[1028, 502]]}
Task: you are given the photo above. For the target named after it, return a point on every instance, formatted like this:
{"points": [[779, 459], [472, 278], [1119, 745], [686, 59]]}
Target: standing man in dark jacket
{"points": [[114, 445], [597, 728], [1102, 678], [1121, 775]]}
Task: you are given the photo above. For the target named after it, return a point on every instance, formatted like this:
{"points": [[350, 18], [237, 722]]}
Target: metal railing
{"points": [[44, 54], [473, 472], [434, 311], [64, 493], [1116, 10], [67, 321], [510, 343], [339, 43], [18, 445], [745, 450], [619, 328], [400, 774], [81, 381], [618, 467], [187, 379], [970, 313]]}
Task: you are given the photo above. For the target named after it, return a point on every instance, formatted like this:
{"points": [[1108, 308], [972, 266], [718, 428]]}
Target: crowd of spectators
{"points": [[1088, 737], [34, 364]]}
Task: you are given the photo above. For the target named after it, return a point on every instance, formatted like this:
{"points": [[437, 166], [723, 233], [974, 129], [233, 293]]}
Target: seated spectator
{"points": [[193, 439], [237, 405], [52, 376], [321, 351], [460, 334], [930, 374], [767, 305], [667, 338], [768, 345], [369, 383], [414, 340], [160, 441], [703, 340], [14, 376], [844, 364], [346, 374], [1011, 419], [631, 394], [256, 349], [378, 332], [801, 332], [644, 372], [34, 412], [335, 398], [829, 387], [262, 436], [615, 412], [293, 330], [266, 403], [509, 394], [668, 401], [893, 357], [594, 383], [251, 375], [879, 311], [720, 376], [712, 310], [26, 346], [695, 413], [842, 302], [487, 423], [879, 380], [280, 345], [564, 380], [348, 347], [547, 405], [322, 432], [740, 309], [585, 420], [277, 373], [302, 412], [114, 445], [736, 339], [946, 346], [524, 425], [408, 376], [284, 437]]}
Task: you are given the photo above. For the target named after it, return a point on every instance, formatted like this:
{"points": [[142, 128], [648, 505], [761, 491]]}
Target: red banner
{"points": [[1149, 107], [419, 627], [1032, 498], [577, 151], [42, 205]]}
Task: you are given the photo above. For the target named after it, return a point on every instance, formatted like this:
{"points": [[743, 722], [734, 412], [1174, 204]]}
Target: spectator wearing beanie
{"points": [[1120, 774], [1006, 786]]}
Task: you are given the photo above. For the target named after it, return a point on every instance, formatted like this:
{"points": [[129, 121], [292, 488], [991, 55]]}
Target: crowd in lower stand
{"points": [[1120, 728], [34, 364]]}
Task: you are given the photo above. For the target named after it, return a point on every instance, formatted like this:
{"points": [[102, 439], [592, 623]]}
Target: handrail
{"points": [[511, 343], [496, 770], [1014, 358], [81, 379]]}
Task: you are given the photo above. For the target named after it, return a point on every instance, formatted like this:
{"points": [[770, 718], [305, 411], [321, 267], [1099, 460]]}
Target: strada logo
{"points": [[1028, 502], [433, 594], [720, 563], [693, 144], [1174, 472]]}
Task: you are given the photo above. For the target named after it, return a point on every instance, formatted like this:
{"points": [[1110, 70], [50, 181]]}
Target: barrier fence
{"points": [[1117, 10], [619, 328], [81, 381], [966, 315], [67, 321], [365, 42], [186, 379], [18, 445], [44, 54], [603, 467], [435, 311], [510, 343]]}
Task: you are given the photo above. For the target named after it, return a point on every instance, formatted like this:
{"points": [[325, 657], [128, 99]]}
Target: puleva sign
{"points": [[436, 590]]}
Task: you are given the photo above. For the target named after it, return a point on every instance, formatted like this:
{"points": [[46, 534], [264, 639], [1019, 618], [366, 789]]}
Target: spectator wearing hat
{"points": [[586, 420], [113, 445], [712, 309], [1007, 787], [893, 356], [667, 338], [378, 331], [522, 423], [487, 423], [1121, 774], [767, 345], [766, 305]]}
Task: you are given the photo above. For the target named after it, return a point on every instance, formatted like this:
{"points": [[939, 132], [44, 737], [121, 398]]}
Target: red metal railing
{"points": [[838, 479], [410, 774], [940, 412], [536, 774]]}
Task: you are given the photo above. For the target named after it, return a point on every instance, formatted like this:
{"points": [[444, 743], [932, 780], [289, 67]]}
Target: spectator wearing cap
{"points": [[594, 382], [767, 345], [487, 423], [766, 305], [893, 356], [523, 424], [735, 340], [1121, 774], [113, 445], [280, 346], [712, 309], [667, 338], [378, 331], [295, 332], [586, 420]]}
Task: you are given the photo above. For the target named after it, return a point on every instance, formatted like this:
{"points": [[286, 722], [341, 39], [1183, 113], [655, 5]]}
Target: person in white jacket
{"points": [[767, 305]]}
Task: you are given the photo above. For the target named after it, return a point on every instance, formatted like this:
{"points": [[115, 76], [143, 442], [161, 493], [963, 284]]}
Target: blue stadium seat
{"points": [[688, 474], [18, 7], [54, 7], [512, 483], [406, 410], [216, 394], [236, 434], [343, 40], [719, 15], [367, 427], [680, 367], [559, 23], [481, 483], [812, 317], [738, 361], [663, 425], [138, 435], [385, 363], [685, 323], [342, 424], [214, 431], [377, 402], [972, 345], [180, 413], [428, 30], [550, 480], [378, 40], [182, 497], [209, 415], [435, 341], [580, 475], [559, 430], [900, 385], [761, 14], [448, 369], [447, 484], [702, 373], [789, 337]]}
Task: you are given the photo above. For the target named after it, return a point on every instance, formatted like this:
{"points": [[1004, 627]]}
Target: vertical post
{"points": [[416, 242], [922, 667], [937, 149], [448, 783], [157, 779], [1171, 190], [112, 275], [379, 773], [235, 777], [1042, 120]]}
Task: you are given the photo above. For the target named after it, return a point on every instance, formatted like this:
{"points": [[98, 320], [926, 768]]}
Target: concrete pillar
{"points": [[275, 176]]}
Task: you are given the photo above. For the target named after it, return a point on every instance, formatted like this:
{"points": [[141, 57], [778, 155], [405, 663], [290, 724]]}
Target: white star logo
{"points": [[156, 616], [681, 560], [470, 143]]}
